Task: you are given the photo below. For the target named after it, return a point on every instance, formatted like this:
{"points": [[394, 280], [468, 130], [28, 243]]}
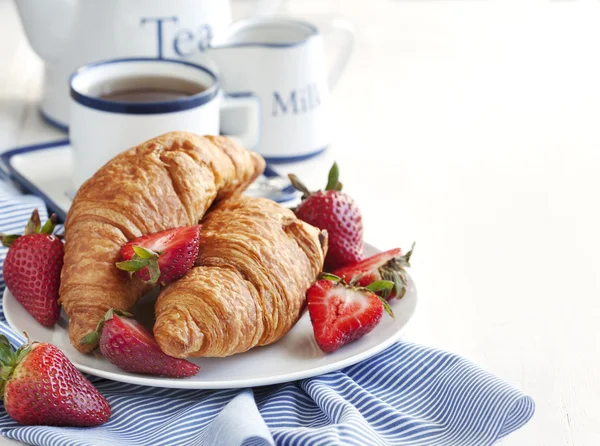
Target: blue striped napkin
{"points": [[407, 395]]}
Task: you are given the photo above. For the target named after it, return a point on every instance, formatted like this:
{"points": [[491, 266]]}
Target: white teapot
{"points": [[67, 34]]}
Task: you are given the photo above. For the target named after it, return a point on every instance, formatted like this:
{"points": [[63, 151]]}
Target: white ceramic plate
{"points": [[295, 356]]}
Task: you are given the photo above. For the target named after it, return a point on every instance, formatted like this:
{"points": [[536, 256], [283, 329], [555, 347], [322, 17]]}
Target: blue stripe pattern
{"points": [[407, 395]]}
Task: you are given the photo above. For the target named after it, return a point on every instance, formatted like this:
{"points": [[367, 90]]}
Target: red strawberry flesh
{"points": [[341, 314], [367, 271], [177, 251], [129, 346], [32, 274], [46, 389]]}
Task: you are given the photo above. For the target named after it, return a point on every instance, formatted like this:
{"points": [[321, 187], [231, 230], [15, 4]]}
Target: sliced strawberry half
{"points": [[341, 313], [388, 265], [163, 256], [128, 345]]}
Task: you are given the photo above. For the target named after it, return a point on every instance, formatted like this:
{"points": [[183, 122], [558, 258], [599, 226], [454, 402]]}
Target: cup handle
{"points": [[344, 30], [240, 118]]}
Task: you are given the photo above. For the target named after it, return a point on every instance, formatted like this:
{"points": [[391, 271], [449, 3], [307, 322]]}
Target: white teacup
{"points": [[120, 103], [282, 61], [67, 34]]}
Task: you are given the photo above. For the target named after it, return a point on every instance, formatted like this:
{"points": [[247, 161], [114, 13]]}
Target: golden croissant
{"points": [[167, 182], [256, 261]]}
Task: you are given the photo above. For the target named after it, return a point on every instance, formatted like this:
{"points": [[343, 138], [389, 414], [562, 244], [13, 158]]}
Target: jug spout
{"points": [[47, 24], [222, 57]]}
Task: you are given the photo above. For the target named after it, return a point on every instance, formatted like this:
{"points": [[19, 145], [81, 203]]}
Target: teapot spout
{"points": [[47, 24]]}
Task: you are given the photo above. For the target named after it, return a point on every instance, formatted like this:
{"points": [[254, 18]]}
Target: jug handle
{"points": [[240, 118], [344, 30]]}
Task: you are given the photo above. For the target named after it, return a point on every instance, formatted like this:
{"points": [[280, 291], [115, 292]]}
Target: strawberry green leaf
{"points": [[154, 270], [94, 336], [333, 179], [5, 373], [6, 351], [298, 185], [90, 338], [4, 341], [409, 254], [132, 265], [339, 186], [122, 313], [34, 224], [49, 226], [22, 352], [107, 317], [6, 357], [8, 240], [380, 285], [329, 276], [387, 307], [144, 253], [395, 271], [403, 261]]}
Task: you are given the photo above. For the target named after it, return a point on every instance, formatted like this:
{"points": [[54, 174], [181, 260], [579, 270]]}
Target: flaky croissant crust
{"points": [[167, 182], [255, 263]]}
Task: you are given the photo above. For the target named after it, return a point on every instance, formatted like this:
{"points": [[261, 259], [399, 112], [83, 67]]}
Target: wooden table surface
{"points": [[473, 128]]}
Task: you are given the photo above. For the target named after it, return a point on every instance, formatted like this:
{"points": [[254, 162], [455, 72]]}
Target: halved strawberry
{"points": [[128, 345], [163, 256], [387, 265], [341, 313]]}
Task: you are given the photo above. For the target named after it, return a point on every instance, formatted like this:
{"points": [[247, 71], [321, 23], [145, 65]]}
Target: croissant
{"points": [[256, 261], [167, 182]]}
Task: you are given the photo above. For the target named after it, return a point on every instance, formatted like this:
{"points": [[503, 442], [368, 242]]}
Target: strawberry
{"points": [[41, 386], [162, 257], [129, 346], [341, 313], [32, 269], [338, 214], [388, 265]]}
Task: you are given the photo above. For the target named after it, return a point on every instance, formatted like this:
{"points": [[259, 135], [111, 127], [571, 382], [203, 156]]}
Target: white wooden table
{"points": [[473, 128]]}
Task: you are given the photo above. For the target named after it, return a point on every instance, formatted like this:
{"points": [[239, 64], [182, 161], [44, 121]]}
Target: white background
{"points": [[472, 127]]}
